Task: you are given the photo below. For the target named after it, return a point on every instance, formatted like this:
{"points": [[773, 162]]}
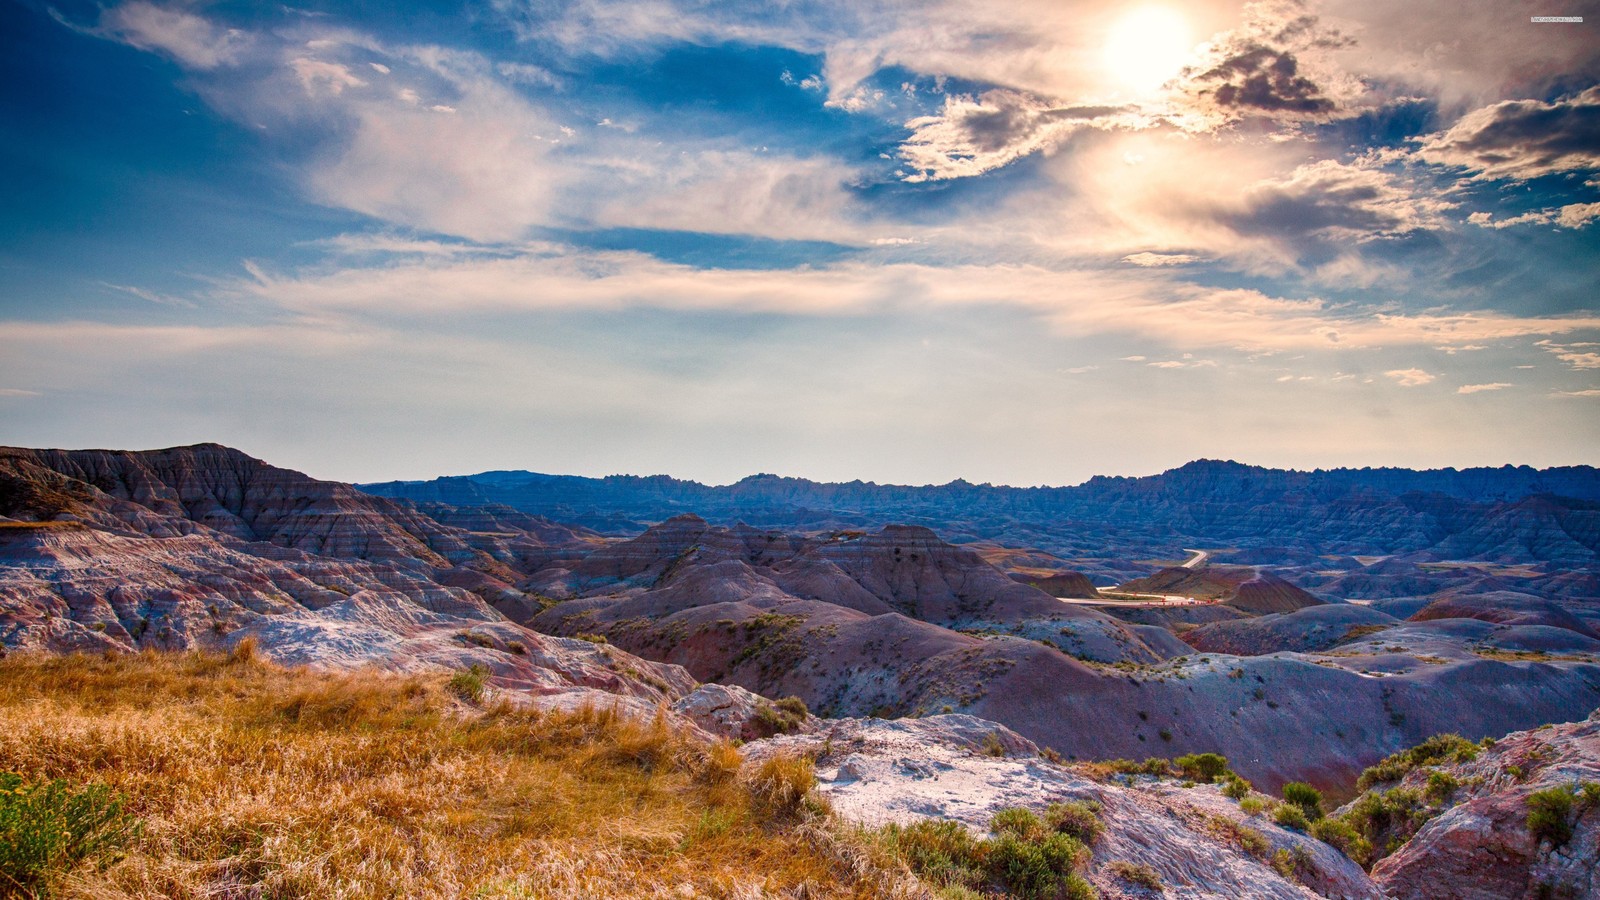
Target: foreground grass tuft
{"points": [[50, 828], [256, 781]]}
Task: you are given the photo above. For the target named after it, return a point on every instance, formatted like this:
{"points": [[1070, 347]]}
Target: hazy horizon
{"points": [[1022, 243]]}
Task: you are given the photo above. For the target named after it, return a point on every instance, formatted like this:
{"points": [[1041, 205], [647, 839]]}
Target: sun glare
{"points": [[1148, 46]]}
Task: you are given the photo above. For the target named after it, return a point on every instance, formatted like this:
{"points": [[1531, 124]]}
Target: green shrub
{"points": [[1341, 836], [1291, 816], [784, 717], [1290, 863], [1303, 795], [1385, 821], [1441, 748], [1019, 822], [1440, 786], [1026, 858], [468, 684], [1038, 869], [1134, 873], [1202, 767], [1549, 811], [942, 852], [1252, 805], [1078, 819], [49, 828], [1235, 788]]}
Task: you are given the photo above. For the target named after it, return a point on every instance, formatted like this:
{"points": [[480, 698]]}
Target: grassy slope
{"points": [[255, 781]]}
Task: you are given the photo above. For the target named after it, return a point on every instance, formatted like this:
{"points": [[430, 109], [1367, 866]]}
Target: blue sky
{"points": [[1022, 242]]}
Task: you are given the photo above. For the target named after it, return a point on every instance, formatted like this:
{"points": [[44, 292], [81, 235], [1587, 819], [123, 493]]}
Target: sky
{"points": [[1021, 242]]}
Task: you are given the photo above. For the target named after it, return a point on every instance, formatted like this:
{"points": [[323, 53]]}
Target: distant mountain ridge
{"points": [[1511, 514]]}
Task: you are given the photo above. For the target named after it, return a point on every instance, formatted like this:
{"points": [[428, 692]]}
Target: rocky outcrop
{"points": [[203, 547], [1481, 846], [966, 769]]}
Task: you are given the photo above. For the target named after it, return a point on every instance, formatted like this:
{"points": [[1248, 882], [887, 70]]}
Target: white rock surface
{"points": [[965, 769]]}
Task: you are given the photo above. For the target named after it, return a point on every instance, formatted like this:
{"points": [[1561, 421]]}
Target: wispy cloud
{"points": [[1411, 377], [1578, 355], [1480, 388]]}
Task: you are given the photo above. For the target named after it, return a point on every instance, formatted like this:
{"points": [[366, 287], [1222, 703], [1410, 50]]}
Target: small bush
{"points": [[1548, 815], [782, 718], [1134, 873], [1290, 863], [1202, 767], [469, 683], [47, 829], [781, 784], [1339, 835], [1252, 805], [1291, 816], [1441, 748], [1303, 795], [1235, 788], [1078, 819], [1440, 786], [1026, 858], [1039, 869], [939, 851], [1019, 822], [591, 638]]}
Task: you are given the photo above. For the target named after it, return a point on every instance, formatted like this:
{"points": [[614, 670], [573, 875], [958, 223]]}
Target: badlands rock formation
{"points": [[966, 769], [1482, 846], [197, 547], [202, 547], [897, 623]]}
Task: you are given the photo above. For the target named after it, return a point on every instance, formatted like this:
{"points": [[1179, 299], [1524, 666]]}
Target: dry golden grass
{"points": [[260, 782]]}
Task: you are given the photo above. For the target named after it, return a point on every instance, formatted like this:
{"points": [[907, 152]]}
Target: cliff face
{"points": [[200, 547], [1481, 841]]}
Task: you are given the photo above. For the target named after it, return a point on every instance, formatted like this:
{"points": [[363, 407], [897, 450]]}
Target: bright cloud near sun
{"points": [[1148, 47]]}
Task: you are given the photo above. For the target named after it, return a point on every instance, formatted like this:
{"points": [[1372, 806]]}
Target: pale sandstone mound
{"points": [[1482, 848], [1504, 607], [1304, 631], [965, 769], [1245, 588]]}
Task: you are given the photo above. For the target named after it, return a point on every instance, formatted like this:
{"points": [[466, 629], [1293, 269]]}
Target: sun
{"points": [[1148, 46]]}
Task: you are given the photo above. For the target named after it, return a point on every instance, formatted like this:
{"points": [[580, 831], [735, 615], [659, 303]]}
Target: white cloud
{"points": [[973, 135], [1573, 215], [1521, 139], [17, 392], [190, 39], [1149, 260], [1146, 302], [1479, 388], [1411, 377], [1578, 356]]}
